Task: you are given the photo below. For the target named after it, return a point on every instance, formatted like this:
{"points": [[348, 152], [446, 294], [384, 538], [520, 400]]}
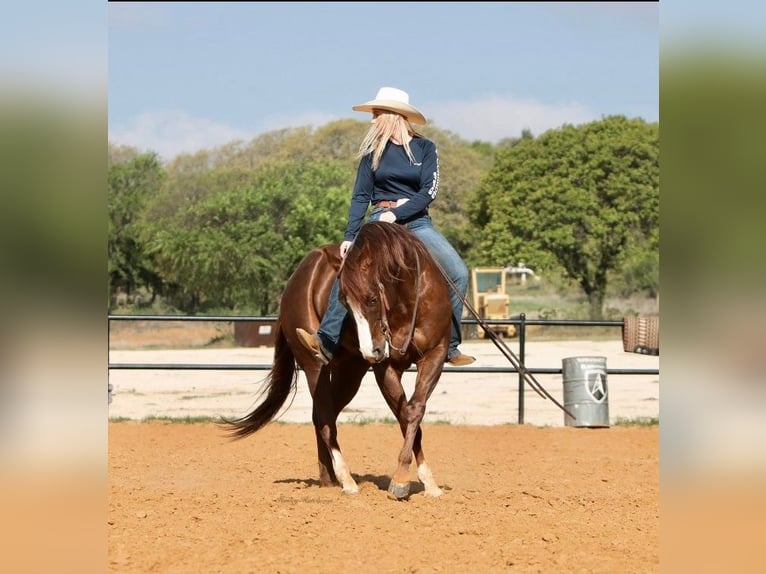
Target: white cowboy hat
{"points": [[393, 100]]}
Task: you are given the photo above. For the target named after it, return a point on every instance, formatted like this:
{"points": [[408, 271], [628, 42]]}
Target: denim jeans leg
{"points": [[454, 267], [332, 323]]}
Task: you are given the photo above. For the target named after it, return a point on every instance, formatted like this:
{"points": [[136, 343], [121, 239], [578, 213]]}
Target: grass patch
{"points": [[119, 419], [361, 421], [187, 420], [637, 421]]}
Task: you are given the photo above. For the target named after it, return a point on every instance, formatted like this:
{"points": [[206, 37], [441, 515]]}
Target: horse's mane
{"points": [[380, 253]]}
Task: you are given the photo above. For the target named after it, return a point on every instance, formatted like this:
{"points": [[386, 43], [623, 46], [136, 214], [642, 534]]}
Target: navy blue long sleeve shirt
{"points": [[396, 178]]}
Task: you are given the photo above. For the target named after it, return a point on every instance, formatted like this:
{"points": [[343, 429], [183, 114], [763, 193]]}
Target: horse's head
{"points": [[376, 283], [366, 307]]}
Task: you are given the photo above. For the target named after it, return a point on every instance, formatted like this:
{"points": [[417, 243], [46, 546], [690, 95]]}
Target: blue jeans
{"points": [[332, 323]]}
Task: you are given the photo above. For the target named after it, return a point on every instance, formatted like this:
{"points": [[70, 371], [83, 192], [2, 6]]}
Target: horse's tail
{"points": [[279, 385]]}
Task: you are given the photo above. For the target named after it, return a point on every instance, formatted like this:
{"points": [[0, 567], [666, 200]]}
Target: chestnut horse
{"points": [[399, 315]]}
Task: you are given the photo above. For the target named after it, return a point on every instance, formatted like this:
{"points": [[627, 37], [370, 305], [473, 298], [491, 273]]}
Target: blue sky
{"points": [[187, 76], [183, 76]]}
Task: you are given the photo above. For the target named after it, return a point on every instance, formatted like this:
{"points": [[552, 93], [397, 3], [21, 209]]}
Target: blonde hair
{"points": [[388, 125]]}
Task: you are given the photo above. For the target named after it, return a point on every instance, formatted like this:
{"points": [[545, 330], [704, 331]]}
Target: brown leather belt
{"points": [[385, 203]]}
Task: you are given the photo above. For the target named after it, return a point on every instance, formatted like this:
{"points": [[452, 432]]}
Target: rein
{"points": [[385, 307], [500, 344]]}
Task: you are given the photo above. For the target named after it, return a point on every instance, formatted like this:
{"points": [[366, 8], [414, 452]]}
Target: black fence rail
{"points": [[521, 323]]}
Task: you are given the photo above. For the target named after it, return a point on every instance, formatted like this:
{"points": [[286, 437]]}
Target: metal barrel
{"points": [[586, 394]]}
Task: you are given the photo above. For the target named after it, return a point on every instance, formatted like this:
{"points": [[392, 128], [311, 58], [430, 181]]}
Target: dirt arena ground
{"points": [[539, 497], [183, 498]]}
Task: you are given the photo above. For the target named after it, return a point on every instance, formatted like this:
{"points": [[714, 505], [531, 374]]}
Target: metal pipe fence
{"points": [[521, 323]]}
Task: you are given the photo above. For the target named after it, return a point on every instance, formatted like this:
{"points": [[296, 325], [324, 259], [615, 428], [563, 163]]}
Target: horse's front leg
{"points": [[410, 417], [399, 487], [425, 475]]}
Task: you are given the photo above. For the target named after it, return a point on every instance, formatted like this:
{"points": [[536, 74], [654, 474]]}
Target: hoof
{"points": [[398, 491], [351, 491]]}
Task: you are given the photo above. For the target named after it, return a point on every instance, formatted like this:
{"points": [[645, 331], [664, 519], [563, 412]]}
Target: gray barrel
{"points": [[586, 394]]}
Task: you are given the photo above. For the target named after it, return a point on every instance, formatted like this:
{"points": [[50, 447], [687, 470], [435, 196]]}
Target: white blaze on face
{"points": [[363, 333]]}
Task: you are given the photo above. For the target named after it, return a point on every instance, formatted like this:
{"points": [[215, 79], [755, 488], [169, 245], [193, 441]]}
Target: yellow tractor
{"points": [[490, 298]]}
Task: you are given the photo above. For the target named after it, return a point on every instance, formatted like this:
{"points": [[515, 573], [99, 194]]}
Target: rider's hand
{"points": [[387, 217], [344, 247]]}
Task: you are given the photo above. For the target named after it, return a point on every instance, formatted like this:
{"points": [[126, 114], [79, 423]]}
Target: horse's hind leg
{"points": [[318, 381], [332, 466], [326, 473], [329, 400]]}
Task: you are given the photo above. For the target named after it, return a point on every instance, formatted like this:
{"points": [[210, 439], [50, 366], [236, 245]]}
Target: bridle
{"points": [[384, 307]]}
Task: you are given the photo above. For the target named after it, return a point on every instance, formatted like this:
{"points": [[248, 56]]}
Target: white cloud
{"points": [[172, 132], [494, 118]]}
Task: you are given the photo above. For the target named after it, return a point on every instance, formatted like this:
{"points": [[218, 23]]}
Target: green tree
{"points": [[462, 165], [133, 178], [236, 245], [230, 223], [584, 199]]}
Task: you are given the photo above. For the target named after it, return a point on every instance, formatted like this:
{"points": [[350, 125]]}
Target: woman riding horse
{"points": [[399, 175], [400, 306]]}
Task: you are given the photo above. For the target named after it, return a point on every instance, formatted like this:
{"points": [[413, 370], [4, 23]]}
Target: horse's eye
{"points": [[372, 300]]}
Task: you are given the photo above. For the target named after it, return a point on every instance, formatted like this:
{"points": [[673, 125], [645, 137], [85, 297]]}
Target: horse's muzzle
{"points": [[379, 353]]}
